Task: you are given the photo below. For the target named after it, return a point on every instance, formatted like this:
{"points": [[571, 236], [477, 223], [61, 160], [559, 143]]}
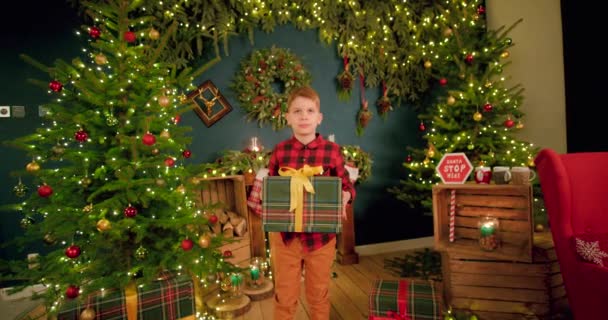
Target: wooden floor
{"points": [[348, 291]]}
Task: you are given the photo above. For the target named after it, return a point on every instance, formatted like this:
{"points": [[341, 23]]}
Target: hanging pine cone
{"points": [[345, 84], [384, 105], [363, 117]]}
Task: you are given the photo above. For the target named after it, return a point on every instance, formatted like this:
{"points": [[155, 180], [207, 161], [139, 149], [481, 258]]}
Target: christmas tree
{"points": [[475, 112], [114, 202]]}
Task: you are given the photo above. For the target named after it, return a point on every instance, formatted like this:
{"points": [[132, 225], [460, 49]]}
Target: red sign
{"points": [[454, 168]]}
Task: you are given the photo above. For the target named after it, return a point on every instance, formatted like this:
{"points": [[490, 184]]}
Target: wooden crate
{"points": [[507, 289], [511, 204]]}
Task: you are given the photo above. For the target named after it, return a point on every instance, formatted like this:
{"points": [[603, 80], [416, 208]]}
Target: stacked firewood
{"points": [[229, 224]]}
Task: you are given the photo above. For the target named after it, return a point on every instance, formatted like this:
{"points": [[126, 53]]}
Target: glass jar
{"points": [[256, 272], [489, 239], [236, 284]]}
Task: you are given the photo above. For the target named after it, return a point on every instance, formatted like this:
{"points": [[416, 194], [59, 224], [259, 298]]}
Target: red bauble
{"points": [[129, 36], [45, 191], [509, 123], [55, 86], [148, 139], [408, 159], [469, 59], [81, 135], [213, 219], [421, 126], [443, 81], [487, 107], [72, 251], [227, 254], [130, 211], [187, 244], [177, 119], [169, 162], [94, 32], [187, 153], [481, 9], [72, 292]]}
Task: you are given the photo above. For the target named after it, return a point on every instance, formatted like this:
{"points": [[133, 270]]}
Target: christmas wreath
{"points": [[253, 84]]}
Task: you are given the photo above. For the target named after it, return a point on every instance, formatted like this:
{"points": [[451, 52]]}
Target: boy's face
{"points": [[303, 116]]}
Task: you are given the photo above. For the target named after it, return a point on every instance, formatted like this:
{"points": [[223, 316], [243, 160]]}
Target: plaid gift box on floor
{"points": [[321, 211], [405, 299], [167, 299]]}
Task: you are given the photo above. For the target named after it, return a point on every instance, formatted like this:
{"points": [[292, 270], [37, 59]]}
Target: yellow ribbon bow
{"points": [[299, 182]]}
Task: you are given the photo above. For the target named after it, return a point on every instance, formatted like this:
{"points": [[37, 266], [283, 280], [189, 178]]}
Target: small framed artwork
{"points": [[209, 104]]}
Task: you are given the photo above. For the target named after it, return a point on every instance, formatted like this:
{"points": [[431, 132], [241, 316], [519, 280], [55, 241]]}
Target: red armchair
{"points": [[575, 190]]}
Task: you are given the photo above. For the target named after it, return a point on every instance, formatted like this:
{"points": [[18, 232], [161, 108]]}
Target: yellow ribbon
{"points": [[131, 300], [299, 182], [198, 295]]}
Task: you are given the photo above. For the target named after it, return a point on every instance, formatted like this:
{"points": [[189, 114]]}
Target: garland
{"points": [[253, 84]]}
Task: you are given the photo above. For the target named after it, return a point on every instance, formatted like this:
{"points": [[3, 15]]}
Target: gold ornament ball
{"points": [[519, 125], [101, 59], [428, 64], [477, 116], [155, 151], [153, 34], [141, 253], [426, 161], [165, 134], [204, 241], [531, 163], [49, 239], [539, 228], [447, 32], [451, 100], [181, 189], [505, 54], [32, 166], [87, 314], [160, 182], [86, 181], [88, 208], [430, 153], [104, 225], [462, 76], [488, 84], [163, 101]]}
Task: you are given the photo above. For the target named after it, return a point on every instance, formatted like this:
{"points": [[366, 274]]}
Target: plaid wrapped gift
{"points": [[168, 299], [405, 299], [322, 211]]}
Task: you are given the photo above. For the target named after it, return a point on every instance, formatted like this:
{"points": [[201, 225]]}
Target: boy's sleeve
{"points": [[347, 184], [254, 201]]}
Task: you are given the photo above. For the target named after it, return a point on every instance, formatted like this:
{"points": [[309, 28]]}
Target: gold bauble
{"points": [[428, 64], [101, 59], [154, 34], [477, 116], [86, 181], [447, 32], [155, 151], [531, 163], [32, 166], [160, 182], [165, 134], [87, 314], [430, 153], [451, 100], [181, 189], [505, 54], [104, 225], [204, 241], [488, 84], [462, 76], [539, 228], [519, 125], [163, 101], [88, 208], [426, 161]]}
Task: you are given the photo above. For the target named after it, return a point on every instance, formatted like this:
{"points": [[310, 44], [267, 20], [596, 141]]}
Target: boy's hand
{"points": [[345, 199]]}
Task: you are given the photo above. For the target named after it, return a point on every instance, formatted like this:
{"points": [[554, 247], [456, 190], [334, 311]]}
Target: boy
{"points": [[315, 251]]}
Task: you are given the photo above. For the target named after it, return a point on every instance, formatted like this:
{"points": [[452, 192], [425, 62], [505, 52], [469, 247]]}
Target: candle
{"points": [[331, 137], [236, 279], [487, 229], [255, 273]]}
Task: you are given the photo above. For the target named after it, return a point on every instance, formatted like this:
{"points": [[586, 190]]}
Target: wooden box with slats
{"points": [[510, 204]]}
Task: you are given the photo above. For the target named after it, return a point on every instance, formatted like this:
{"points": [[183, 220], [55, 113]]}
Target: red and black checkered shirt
{"points": [[319, 152]]}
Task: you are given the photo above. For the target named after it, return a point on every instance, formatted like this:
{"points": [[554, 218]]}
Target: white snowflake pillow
{"points": [[592, 248]]}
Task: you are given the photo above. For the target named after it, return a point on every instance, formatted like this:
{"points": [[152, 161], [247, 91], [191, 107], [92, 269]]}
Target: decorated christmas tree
{"points": [[112, 196], [475, 112]]}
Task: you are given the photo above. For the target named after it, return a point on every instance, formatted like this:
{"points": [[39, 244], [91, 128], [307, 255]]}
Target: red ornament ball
{"points": [[187, 244], [509, 123], [130, 211], [177, 119], [55, 86], [169, 162], [408, 159], [72, 292], [45, 191], [469, 59], [148, 139], [129, 36], [94, 32], [81, 135], [443, 81], [213, 219], [72, 251], [227, 254], [487, 107], [421, 126], [187, 153], [481, 9]]}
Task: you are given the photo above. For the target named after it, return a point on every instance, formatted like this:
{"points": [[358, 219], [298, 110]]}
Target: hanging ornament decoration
{"points": [[364, 115], [160, 182], [477, 116], [428, 64], [129, 36], [111, 120], [431, 152], [421, 126], [384, 103], [443, 82], [32, 166], [451, 100], [87, 314], [55, 86], [155, 151], [176, 119], [20, 190], [81, 135], [94, 32], [487, 107], [141, 253], [187, 154], [509, 123], [447, 32], [49, 239], [57, 151], [408, 159], [253, 84], [165, 134], [345, 81], [130, 211], [73, 252], [72, 292], [471, 146], [45, 191], [204, 241], [505, 54], [169, 162], [153, 34], [88, 208], [26, 222], [187, 244], [481, 9], [163, 101], [86, 181], [101, 59], [148, 139], [469, 59], [213, 219], [227, 254], [519, 125], [103, 225]]}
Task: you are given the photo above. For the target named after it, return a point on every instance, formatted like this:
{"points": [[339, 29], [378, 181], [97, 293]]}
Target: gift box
{"points": [[168, 299], [320, 211], [405, 299]]}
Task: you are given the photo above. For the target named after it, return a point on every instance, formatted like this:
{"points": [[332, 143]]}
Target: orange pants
{"points": [[287, 263]]}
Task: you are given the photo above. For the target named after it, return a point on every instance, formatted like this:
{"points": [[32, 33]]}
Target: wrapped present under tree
{"points": [[405, 299], [299, 202]]}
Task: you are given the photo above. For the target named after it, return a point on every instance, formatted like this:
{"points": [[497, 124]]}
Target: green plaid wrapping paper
{"points": [[168, 299], [423, 300], [322, 210]]}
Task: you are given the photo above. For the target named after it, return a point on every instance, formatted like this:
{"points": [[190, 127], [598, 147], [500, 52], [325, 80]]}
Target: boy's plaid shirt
{"points": [[292, 153]]}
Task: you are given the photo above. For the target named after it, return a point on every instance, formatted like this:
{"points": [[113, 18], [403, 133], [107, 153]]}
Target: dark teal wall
{"points": [[378, 216]]}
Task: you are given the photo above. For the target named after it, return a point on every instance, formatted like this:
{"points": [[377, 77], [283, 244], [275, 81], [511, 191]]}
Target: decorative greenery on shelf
{"points": [[424, 264], [360, 159]]}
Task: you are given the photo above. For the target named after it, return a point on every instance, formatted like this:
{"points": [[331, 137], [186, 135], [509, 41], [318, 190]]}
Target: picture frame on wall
{"points": [[209, 104]]}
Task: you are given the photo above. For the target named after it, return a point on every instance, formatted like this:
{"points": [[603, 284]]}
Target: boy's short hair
{"points": [[306, 92]]}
